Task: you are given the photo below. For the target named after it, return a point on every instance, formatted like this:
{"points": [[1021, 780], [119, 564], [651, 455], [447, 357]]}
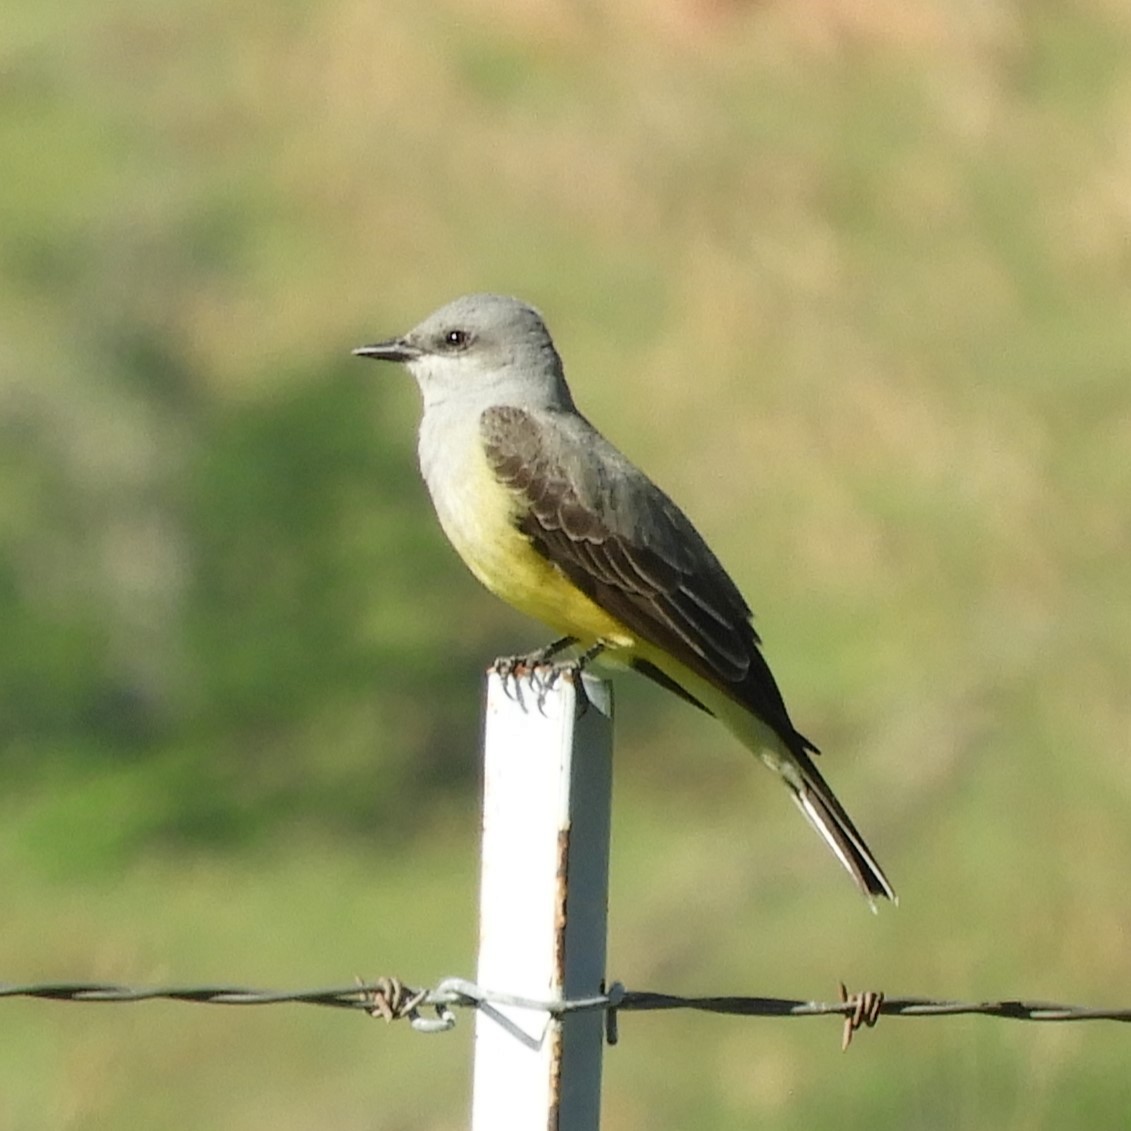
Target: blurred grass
{"points": [[849, 280]]}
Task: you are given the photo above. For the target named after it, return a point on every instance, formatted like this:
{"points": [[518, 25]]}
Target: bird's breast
{"points": [[479, 516]]}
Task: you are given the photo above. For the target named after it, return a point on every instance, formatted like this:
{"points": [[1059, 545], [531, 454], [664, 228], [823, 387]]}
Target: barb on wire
{"points": [[390, 998], [866, 1008], [393, 1000]]}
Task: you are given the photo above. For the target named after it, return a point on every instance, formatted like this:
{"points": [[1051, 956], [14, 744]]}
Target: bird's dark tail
{"points": [[826, 814], [787, 753]]}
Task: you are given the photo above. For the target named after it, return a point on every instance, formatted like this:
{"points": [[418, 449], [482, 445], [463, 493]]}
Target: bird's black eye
{"points": [[457, 339]]}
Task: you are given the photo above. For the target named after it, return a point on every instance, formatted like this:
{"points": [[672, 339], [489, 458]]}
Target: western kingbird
{"points": [[550, 517]]}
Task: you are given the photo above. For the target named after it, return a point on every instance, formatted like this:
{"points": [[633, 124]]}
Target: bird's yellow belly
{"points": [[478, 518]]}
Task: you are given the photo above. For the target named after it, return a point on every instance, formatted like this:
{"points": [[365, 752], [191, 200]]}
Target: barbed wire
{"points": [[393, 1000]]}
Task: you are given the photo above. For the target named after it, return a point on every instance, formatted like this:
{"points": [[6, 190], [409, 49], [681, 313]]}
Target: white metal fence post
{"points": [[543, 902]]}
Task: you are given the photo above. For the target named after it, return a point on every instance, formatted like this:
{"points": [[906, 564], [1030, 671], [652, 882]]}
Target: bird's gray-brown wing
{"points": [[630, 549]]}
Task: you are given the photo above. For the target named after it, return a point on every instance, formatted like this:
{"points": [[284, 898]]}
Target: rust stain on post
{"points": [[555, 1079], [561, 890], [561, 894]]}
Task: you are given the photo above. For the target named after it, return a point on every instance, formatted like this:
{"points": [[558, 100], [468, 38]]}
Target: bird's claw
{"points": [[540, 675], [534, 673]]}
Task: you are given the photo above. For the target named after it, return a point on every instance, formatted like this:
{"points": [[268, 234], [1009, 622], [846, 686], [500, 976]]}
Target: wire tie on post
{"points": [[615, 994], [457, 991], [450, 992]]}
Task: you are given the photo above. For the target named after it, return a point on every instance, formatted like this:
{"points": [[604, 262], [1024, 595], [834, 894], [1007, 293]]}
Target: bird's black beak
{"points": [[395, 349]]}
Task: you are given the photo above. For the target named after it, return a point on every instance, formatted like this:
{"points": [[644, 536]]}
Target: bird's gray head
{"points": [[483, 349]]}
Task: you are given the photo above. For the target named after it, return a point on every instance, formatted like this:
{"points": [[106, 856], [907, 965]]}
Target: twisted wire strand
{"points": [[393, 1000]]}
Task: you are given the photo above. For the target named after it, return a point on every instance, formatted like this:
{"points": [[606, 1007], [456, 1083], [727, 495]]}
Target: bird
{"points": [[556, 521]]}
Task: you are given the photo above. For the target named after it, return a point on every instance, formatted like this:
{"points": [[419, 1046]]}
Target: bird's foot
{"points": [[513, 668], [534, 670], [537, 672]]}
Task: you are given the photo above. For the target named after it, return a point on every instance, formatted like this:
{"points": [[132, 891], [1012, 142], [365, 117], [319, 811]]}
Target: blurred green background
{"points": [[850, 280]]}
